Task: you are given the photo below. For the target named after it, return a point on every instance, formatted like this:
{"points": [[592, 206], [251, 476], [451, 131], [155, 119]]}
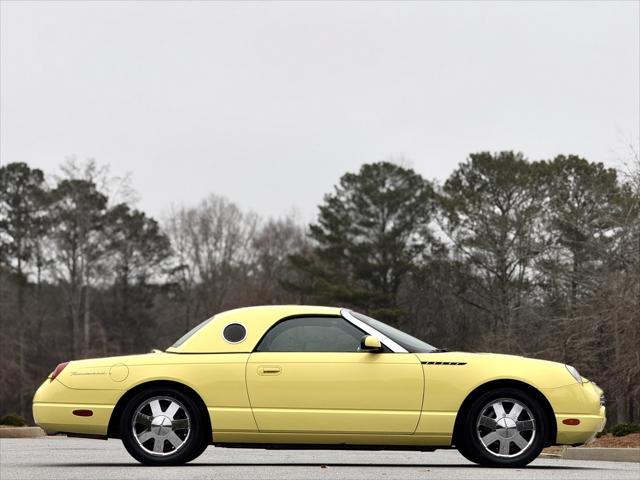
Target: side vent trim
{"points": [[443, 363]]}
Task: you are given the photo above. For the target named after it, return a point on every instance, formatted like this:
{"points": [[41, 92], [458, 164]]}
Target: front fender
{"points": [[450, 377]]}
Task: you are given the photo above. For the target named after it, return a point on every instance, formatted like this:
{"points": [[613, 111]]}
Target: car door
{"points": [[308, 375]]}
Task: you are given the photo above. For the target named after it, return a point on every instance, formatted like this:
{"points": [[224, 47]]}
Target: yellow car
{"points": [[318, 377]]}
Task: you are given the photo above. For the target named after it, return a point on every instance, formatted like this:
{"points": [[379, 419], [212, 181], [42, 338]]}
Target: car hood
{"points": [[494, 366]]}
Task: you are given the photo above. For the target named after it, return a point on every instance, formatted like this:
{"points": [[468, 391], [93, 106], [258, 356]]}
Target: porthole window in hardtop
{"points": [[312, 334], [234, 333]]}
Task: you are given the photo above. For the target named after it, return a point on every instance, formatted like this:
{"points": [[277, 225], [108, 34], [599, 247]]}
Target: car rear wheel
{"points": [[505, 427], [162, 426]]}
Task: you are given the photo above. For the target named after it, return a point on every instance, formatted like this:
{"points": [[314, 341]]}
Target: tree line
{"points": [[538, 258]]}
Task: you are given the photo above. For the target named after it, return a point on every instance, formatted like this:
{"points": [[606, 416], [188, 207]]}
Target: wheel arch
{"points": [[113, 429], [508, 383]]}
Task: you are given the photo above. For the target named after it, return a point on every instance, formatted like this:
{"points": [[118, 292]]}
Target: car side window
{"points": [[312, 334]]}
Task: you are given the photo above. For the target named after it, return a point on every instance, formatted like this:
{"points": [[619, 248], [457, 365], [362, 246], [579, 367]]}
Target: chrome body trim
{"points": [[393, 346]]}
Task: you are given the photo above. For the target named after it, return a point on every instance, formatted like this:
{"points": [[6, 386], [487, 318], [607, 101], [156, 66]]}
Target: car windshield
{"points": [[411, 344]]}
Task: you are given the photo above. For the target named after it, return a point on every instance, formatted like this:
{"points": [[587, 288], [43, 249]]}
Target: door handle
{"points": [[269, 370]]}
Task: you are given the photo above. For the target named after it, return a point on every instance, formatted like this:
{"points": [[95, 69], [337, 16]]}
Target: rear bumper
{"points": [[54, 404], [59, 418]]}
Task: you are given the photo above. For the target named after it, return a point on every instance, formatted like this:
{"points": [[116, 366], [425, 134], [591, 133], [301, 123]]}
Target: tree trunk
{"points": [[87, 320], [21, 340]]}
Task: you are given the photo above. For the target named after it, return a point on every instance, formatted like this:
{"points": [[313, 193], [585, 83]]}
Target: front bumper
{"points": [[577, 402], [582, 433]]}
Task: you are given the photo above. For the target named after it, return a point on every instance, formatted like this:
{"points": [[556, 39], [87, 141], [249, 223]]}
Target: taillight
{"points": [[58, 370]]}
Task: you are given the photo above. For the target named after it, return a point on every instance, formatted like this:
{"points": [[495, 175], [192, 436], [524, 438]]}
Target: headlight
{"points": [[574, 373]]}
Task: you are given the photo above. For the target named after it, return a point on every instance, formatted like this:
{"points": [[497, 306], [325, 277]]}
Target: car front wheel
{"points": [[505, 427], [162, 427]]}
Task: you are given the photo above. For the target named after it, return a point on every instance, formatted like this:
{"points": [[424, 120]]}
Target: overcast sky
{"points": [[270, 103]]}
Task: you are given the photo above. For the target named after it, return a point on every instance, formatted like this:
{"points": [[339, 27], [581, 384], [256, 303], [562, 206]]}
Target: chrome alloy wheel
{"points": [[161, 425], [506, 427]]}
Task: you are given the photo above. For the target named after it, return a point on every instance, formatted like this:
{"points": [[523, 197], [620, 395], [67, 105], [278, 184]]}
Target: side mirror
{"points": [[370, 343]]}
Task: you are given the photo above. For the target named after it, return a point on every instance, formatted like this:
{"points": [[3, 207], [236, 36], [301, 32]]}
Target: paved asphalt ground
{"points": [[66, 458]]}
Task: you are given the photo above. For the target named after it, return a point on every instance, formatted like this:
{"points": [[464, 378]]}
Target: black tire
{"points": [[193, 439], [470, 438], [204, 443], [465, 451]]}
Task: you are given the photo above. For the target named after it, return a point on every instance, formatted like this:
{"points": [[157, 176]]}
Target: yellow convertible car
{"points": [[318, 377]]}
